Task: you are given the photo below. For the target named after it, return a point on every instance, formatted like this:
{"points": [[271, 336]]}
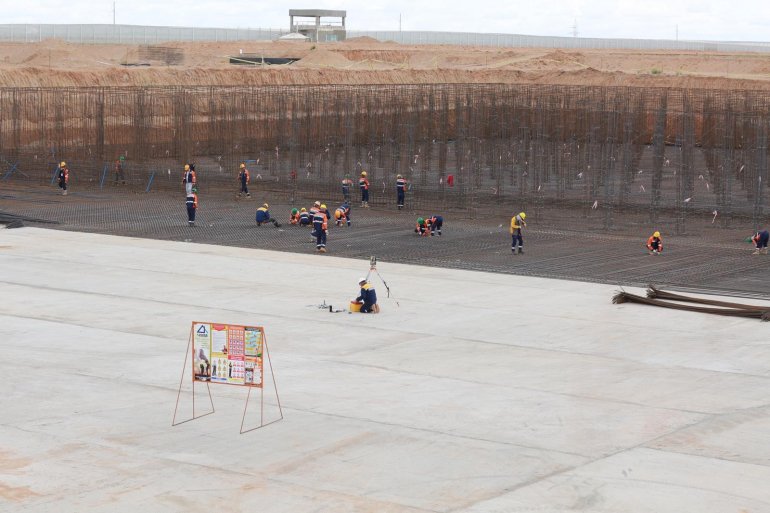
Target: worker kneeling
{"points": [[655, 244], [368, 297], [263, 216]]}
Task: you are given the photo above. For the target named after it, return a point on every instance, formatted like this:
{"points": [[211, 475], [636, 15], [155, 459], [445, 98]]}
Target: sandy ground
{"points": [[363, 60]]}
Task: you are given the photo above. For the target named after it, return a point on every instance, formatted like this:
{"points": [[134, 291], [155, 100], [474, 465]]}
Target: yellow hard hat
{"points": [[337, 214], [303, 209], [656, 234], [266, 205], [323, 206], [62, 164], [523, 215], [363, 173], [187, 167], [243, 165]]}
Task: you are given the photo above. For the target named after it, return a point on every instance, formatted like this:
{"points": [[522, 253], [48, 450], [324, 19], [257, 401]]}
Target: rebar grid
{"points": [[597, 158]]}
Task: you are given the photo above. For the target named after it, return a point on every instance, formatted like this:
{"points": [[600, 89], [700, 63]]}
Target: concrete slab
{"points": [[472, 392]]}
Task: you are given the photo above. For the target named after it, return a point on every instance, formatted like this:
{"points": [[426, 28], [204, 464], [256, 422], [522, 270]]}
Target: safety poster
{"points": [[226, 353]]}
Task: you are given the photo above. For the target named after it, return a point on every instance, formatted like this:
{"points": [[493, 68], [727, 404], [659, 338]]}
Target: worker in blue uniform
{"points": [[263, 216], [320, 228], [368, 297]]}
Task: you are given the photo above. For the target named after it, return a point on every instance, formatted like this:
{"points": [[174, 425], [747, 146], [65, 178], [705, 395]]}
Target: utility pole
{"points": [[113, 12], [677, 32], [574, 29]]}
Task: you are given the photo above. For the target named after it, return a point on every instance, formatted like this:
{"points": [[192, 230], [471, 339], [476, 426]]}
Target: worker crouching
{"points": [[435, 223], [305, 219], [655, 244], [422, 228], [368, 297], [760, 240], [263, 216], [342, 214]]}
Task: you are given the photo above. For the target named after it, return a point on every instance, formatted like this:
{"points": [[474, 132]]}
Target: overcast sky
{"points": [[719, 20]]}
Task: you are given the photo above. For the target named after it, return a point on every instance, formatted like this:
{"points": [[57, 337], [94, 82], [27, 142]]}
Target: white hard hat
{"points": [[361, 280]]}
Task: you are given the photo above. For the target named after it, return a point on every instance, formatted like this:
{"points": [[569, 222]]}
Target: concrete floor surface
{"points": [[473, 392]]}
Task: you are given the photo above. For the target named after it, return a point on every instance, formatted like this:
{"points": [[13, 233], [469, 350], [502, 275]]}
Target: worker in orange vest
{"points": [[63, 175], [363, 184], [243, 177], [347, 183], [400, 191], [320, 228], [655, 244]]}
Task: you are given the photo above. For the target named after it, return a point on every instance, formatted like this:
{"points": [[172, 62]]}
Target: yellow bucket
{"points": [[355, 306]]}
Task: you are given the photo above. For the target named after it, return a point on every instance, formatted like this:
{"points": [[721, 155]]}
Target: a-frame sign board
{"points": [[228, 354]]}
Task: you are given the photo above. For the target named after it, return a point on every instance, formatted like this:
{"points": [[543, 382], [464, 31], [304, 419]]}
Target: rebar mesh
{"points": [[599, 158]]}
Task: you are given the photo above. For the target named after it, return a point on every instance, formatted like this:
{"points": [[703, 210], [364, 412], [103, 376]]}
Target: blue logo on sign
{"points": [[203, 331]]}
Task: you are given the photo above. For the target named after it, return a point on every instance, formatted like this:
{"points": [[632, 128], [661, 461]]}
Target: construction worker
{"points": [[422, 228], [263, 216], [435, 223], [120, 176], [368, 297], [63, 176], [655, 244], [320, 229], [760, 240], [243, 177], [342, 214], [189, 179], [363, 184], [400, 191], [294, 216], [192, 205], [517, 223], [313, 211], [347, 183], [326, 212], [304, 217]]}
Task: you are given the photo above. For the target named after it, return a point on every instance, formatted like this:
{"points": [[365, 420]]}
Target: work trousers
{"points": [[516, 239], [320, 238]]}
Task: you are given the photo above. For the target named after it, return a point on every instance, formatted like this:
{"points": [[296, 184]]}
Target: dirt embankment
{"points": [[365, 61]]}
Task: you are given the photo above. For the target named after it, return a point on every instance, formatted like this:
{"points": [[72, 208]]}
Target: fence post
{"points": [[104, 174]]}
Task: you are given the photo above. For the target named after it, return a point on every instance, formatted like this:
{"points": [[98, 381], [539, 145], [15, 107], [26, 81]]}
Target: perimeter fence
{"points": [[597, 158]]}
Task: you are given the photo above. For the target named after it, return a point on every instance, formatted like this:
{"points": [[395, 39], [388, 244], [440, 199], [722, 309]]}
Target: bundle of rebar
{"points": [[665, 299]]}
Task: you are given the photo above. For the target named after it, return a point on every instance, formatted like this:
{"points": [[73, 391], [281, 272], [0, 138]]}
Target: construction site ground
{"points": [[54, 63], [469, 392], [718, 260]]}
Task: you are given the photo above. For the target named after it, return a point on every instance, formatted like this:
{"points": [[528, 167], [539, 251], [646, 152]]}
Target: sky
{"points": [[715, 20]]}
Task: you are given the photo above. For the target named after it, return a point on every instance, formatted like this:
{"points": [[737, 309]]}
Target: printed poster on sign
{"points": [[220, 367], [253, 360], [202, 351], [228, 354], [235, 355]]}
